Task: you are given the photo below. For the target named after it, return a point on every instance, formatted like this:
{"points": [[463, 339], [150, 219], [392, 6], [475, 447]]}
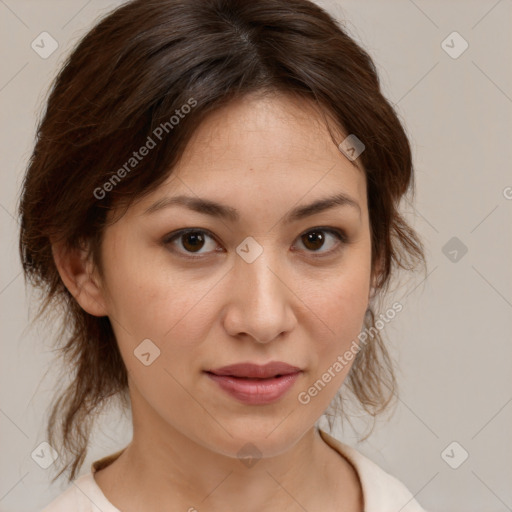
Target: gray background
{"points": [[451, 342]]}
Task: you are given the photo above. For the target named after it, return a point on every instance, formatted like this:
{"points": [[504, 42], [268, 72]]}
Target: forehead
{"points": [[275, 149]]}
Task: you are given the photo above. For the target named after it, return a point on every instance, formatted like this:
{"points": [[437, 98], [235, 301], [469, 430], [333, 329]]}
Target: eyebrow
{"points": [[214, 209]]}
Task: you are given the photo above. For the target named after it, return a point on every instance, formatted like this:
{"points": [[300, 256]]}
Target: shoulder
{"points": [[82, 495], [382, 492]]}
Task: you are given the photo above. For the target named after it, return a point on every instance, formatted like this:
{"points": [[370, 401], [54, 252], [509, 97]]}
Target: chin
{"points": [[268, 437]]}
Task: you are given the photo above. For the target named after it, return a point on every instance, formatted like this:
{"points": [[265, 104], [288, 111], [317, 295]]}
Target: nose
{"points": [[260, 301]]}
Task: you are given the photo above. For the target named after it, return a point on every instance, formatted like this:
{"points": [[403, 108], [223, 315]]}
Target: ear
{"points": [[78, 274]]}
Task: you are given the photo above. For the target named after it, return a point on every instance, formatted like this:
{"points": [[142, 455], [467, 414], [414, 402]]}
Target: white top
{"points": [[381, 491]]}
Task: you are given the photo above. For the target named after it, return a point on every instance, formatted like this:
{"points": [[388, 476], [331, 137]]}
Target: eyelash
{"points": [[338, 233]]}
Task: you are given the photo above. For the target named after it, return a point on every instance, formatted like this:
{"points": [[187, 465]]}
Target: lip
{"points": [[254, 384], [255, 371]]}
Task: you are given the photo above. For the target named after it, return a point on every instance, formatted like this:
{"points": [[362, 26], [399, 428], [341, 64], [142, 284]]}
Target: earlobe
{"points": [[77, 273]]}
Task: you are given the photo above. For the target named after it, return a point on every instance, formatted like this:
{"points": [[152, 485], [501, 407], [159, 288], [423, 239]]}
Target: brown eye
{"points": [[200, 243], [318, 238], [313, 240], [191, 241]]}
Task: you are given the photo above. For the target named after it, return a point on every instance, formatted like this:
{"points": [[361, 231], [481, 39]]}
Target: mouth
{"points": [[253, 384], [254, 371]]}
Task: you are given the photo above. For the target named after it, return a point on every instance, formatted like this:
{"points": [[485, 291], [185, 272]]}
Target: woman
{"points": [[213, 201]]}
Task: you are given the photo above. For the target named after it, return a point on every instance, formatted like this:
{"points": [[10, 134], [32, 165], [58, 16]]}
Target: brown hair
{"points": [[127, 77]]}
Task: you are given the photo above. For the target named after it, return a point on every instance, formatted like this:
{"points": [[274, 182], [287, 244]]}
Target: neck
{"points": [[164, 469]]}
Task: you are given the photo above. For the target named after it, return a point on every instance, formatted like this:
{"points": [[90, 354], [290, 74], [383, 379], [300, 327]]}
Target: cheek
{"points": [[145, 297], [333, 344], [341, 306], [147, 306], [149, 301], [347, 307]]}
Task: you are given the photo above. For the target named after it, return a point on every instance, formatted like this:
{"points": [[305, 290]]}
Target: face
{"points": [[266, 281]]}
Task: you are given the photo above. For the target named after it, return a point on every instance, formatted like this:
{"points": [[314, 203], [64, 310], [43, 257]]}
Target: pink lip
{"points": [[253, 384]]}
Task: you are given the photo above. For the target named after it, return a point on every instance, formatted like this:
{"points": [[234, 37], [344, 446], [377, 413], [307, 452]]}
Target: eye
{"points": [[192, 241], [316, 238], [188, 242]]}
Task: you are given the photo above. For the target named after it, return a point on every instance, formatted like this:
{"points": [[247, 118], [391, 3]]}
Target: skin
{"points": [[262, 155]]}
